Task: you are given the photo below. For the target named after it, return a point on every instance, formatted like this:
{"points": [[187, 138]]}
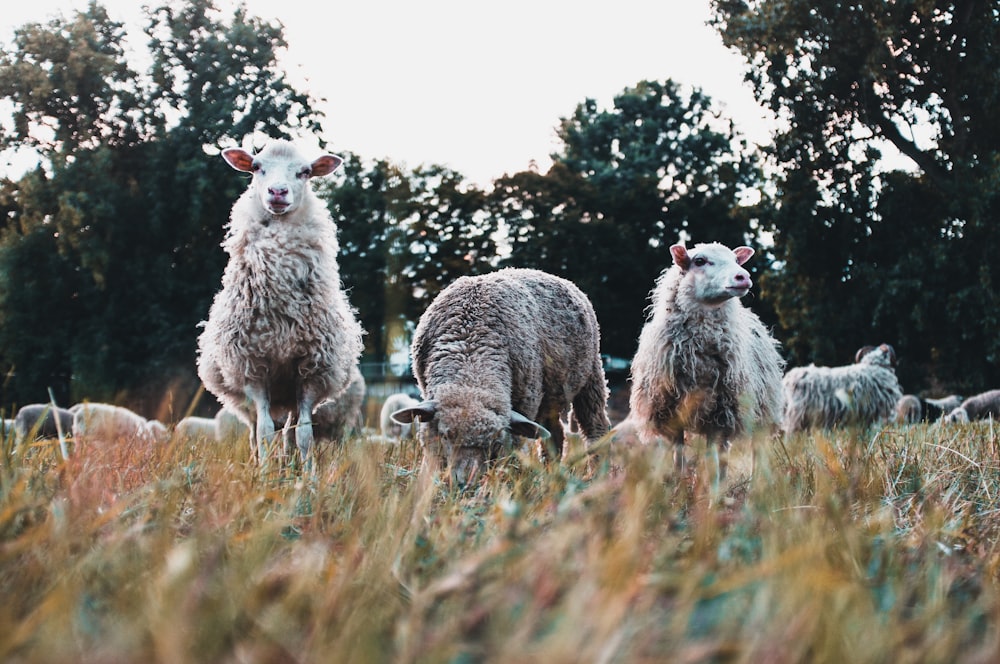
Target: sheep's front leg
{"points": [[680, 462], [717, 450], [303, 426], [263, 425]]}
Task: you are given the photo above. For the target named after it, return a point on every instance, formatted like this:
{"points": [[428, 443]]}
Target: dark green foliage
{"points": [[866, 256], [630, 181], [117, 247]]}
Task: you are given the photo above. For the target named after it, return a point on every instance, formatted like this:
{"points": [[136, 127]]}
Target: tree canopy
{"points": [[870, 256]]}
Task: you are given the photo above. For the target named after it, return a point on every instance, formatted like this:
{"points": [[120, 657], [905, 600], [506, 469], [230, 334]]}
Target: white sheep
{"points": [[336, 419], [496, 352], [912, 409], [705, 363], [861, 394], [193, 428], [985, 405], [106, 423], [38, 420], [229, 427], [389, 429], [281, 336]]}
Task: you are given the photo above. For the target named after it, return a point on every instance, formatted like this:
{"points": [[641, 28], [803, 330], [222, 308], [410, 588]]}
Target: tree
{"points": [[369, 202], [447, 234], [68, 84], [852, 82], [657, 167]]}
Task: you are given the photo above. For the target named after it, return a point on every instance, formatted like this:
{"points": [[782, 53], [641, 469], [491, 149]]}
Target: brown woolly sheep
{"points": [[505, 353]]}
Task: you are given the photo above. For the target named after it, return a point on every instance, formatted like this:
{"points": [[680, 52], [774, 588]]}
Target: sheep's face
{"points": [[467, 433], [280, 174], [714, 271]]}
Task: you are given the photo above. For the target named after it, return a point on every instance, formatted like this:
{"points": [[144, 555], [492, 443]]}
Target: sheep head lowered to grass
{"points": [[281, 336], [505, 354]]}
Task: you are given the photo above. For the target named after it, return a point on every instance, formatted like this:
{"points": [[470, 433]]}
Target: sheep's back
{"points": [[826, 397], [516, 331]]}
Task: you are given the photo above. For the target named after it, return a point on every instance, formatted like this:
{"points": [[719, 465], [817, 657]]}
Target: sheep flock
{"points": [[503, 361]]}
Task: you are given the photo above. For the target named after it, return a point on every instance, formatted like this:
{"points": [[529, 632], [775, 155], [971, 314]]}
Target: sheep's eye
{"points": [[304, 173], [255, 167], [700, 261]]}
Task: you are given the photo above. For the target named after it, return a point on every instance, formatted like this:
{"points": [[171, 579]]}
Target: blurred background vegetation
{"points": [[109, 249]]}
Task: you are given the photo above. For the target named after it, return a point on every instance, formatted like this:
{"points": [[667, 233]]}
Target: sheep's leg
{"points": [[263, 425], [717, 450], [680, 463], [304, 428], [590, 408]]}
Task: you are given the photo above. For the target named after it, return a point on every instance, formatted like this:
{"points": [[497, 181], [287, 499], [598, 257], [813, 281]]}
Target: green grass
{"points": [[851, 546]]}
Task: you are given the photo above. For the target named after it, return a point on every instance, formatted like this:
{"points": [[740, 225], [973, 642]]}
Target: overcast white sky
{"points": [[467, 85]]}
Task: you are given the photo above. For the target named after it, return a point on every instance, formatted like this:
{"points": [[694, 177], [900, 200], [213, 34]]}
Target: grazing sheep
{"points": [[492, 354], [336, 419], [863, 393], [979, 407], [705, 363], [390, 429], [228, 426], [911, 409], [105, 423], [39, 420], [194, 428], [281, 336]]}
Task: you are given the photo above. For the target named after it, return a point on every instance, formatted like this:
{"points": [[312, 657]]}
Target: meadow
{"points": [[847, 546]]}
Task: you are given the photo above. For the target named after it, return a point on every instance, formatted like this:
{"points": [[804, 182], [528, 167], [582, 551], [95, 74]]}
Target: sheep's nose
{"points": [[278, 191]]}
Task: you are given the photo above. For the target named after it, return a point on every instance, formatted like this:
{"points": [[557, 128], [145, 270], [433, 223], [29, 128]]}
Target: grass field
{"points": [[876, 546]]}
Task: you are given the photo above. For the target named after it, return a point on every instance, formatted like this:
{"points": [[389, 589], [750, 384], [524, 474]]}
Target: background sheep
{"points": [[281, 336], [336, 419], [493, 353], [705, 363], [105, 423], [864, 393], [911, 409], [193, 428], [979, 407], [228, 426], [38, 421], [388, 428]]}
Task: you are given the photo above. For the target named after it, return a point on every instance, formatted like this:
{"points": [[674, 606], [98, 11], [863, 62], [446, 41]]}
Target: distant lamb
{"points": [[494, 353], [389, 429], [982, 406], [281, 336], [705, 363], [40, 418], [912, 409], [106, 423], [194, 428], [336, 419], [863, 394]]}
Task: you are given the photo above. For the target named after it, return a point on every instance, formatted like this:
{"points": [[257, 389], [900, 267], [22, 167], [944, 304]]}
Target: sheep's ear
{"points": [[423, 411], [681, 258], [864, 350], [239, 159], [890, 351], [325, 165], [522, 426], [743, 254]]}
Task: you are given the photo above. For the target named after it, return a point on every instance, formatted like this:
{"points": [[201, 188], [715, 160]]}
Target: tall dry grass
{"points": [[844, 547]]}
